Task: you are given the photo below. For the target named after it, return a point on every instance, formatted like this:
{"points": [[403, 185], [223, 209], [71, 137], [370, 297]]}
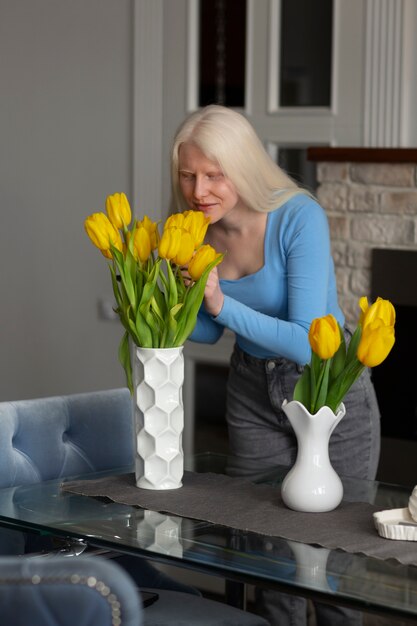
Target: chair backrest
{"points": [[62, 591], [63, 436]]}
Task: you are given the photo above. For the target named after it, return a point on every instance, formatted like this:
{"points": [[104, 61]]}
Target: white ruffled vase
{"points": [[158, 417], [311, 563], [312, 485]]}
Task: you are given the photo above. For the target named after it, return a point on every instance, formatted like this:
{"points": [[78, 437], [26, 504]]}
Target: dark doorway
{"points": [[394, 277]]}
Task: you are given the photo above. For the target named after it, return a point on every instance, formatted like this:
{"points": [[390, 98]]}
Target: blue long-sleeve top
{"points": [[270, 311]]}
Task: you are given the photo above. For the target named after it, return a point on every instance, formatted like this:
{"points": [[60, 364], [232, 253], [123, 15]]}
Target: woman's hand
{"points": [[213, 295]]}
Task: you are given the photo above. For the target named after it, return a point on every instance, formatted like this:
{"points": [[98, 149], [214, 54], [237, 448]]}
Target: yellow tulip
{"points": [[175, 221], [118, 210], [170, 243], [186, 249], [203, 257], [324, 336], [102, 233], [376, 342], [380, 309], [152, 228], [196, 223], [142, 244]]}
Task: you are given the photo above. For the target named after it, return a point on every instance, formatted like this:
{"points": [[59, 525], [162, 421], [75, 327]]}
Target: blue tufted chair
{"points": [[65, 436], [84, 591], [82, 433]]}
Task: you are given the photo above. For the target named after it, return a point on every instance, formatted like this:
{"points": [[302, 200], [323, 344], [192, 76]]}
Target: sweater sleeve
{"points": [[206, 329], [304, 246]]}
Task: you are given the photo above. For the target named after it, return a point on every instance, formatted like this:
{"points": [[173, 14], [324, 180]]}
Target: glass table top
{"points": [[384, 586]]}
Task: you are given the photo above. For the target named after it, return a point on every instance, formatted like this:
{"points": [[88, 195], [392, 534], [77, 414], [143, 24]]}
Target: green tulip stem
{"points": [[320, 391]]}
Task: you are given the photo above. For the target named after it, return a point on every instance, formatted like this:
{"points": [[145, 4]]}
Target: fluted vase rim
{"points": [[324, 409]]}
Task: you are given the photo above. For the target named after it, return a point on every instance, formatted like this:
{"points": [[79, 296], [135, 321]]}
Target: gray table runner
{"points": [[240, 504]]}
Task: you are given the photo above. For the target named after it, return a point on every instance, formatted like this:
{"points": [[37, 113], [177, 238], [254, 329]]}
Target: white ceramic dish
{"points": [[412, 504], [396, 524]]}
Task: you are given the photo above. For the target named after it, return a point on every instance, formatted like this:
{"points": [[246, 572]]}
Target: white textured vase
{"points": [[160, 533], [159, 417], [312, 485]]}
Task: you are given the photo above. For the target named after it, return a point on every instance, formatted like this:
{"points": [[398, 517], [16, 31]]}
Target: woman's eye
{"points": [[216, 176], [187, 177]]}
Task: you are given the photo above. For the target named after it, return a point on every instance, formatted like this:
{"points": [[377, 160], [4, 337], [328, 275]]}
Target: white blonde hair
{"points": [[226, 136]]}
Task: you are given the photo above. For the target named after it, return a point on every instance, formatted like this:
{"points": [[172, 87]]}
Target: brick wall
{"points": [[369, 205]]}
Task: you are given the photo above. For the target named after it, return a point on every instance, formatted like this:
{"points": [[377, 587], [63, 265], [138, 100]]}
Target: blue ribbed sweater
{"points": [[270, 311]]}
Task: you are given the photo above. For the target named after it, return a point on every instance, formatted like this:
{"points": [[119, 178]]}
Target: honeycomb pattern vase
{"points": [[160, 533], [159, 417]]}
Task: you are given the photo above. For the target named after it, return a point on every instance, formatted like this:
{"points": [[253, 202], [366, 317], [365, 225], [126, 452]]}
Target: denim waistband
{"points": [[254, 360], [260, 363]]}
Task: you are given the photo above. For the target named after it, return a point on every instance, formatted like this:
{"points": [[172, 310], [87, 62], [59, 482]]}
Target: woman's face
{"points": [[203, 184]]}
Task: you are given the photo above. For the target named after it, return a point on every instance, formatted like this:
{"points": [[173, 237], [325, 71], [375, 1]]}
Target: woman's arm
{"points": [[206, 329], [304, 247]]}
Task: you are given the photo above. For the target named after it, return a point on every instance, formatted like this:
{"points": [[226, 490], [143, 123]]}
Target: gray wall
{"points": [[65, 143]]}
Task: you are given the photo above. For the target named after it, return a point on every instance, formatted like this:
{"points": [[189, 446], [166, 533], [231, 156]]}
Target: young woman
{"points": [[276, 277]]}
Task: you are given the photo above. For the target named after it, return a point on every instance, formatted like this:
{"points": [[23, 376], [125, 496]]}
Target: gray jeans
{"points": [[261, 437]]}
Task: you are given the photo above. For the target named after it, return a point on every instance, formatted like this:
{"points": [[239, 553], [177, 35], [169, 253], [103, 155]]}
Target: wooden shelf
{"points": [[362, 155]]}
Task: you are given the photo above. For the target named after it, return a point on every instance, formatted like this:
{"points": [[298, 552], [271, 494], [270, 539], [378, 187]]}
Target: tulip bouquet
{"points": [[334, 368], [156, 305]]}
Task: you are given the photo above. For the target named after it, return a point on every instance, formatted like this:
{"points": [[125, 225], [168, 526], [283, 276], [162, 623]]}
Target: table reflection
{"points": [[160, 533], [311, 565]]}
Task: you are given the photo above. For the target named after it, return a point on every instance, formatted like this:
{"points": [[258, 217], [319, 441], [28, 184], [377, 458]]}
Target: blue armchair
{"points": [[65, 436], [83, 591], [81, 433]]}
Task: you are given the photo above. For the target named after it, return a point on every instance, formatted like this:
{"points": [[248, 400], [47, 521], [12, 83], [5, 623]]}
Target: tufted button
{"points": [[270, 365]]}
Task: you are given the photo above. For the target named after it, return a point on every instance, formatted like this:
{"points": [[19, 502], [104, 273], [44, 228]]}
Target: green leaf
{"points": [[181, 287], [115, 286], [321, 397], [172, 325], [188, 315], [153, 323], [314, 379], [129, 259], [124, 358], [339, 388], [133, 332], [353, 345], [159, 300], [149, 287], [157, 311], [164, 280], [339, 359], [172, 287], [315, 364], [143, 331], [302, 391], [193, 299], [125, 276], [140, 281]]}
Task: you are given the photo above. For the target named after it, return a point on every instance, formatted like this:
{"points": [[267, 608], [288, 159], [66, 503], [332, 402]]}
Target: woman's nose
{"points": [[200, 188]]}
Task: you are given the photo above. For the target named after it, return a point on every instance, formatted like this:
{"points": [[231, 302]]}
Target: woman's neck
{"points": [[239, 221]]}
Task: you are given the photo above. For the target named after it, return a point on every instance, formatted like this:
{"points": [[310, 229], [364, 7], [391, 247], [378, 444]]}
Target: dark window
{"points": [[306, 51], [222, 52]]}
